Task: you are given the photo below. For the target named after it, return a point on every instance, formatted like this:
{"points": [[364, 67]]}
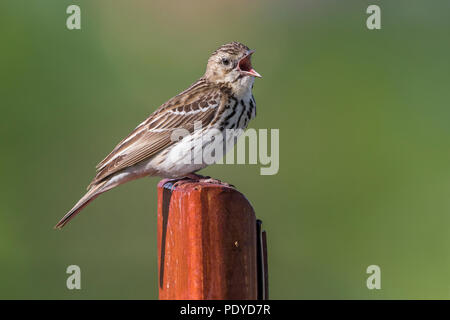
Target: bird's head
{"points": [[231, 64]]}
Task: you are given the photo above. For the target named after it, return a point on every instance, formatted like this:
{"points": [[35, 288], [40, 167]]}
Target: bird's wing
{"points": [[200, 102]]}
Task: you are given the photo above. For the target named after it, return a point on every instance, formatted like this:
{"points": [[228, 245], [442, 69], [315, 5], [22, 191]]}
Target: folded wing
{"points": [[154, 134]]}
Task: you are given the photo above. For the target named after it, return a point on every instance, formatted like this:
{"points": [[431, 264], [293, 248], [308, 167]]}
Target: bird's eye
{"points": [[225, 61]]}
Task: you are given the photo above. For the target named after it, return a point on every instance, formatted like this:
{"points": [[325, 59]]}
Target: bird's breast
{"points": [[238, 112]]}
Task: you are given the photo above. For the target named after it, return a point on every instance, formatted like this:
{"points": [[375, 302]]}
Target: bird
{"points": [[220, 100]]}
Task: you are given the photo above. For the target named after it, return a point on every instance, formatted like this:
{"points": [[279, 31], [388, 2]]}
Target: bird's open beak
{"points": [[245, 66]]}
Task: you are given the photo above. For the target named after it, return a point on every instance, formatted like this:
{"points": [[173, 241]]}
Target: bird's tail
{"points": [[93, 193]]}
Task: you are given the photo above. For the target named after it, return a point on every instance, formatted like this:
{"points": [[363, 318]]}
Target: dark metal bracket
{"points": [[261, 256]]}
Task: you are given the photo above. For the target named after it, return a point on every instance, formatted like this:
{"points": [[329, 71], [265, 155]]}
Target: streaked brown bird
{"points": [[222, 99]]}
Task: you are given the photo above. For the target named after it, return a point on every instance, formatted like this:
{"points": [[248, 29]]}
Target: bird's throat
{"points": [[242, 86]]}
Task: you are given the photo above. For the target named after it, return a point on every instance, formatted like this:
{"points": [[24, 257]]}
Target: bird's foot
{"points": [[187, 179], [196, 177], [199, 178], [216, 181]]}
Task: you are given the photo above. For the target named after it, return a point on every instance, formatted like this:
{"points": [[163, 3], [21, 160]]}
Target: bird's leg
{"points": [[189, 178], [207, 179], [196, 177], [199, 178], [216, 181]]}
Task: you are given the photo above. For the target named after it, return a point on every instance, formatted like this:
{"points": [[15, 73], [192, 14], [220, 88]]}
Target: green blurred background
{"points": [[364, 141]]}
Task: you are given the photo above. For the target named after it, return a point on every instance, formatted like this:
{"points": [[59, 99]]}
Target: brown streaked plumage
{"points": [[221, 99]]}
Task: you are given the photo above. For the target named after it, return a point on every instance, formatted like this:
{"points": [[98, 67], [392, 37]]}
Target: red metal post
{"points": [[207, 243]]}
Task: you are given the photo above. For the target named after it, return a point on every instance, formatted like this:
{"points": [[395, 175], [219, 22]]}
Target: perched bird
{"points": [[222, 99]]}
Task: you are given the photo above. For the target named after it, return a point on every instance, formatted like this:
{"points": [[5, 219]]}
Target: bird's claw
{"points": [[201, 179], [216, 181]]}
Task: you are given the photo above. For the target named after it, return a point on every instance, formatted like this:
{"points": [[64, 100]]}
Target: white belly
{"points": [[194, 152]]}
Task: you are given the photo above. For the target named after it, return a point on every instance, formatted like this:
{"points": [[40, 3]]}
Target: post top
{"points": [[189, 184]]}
